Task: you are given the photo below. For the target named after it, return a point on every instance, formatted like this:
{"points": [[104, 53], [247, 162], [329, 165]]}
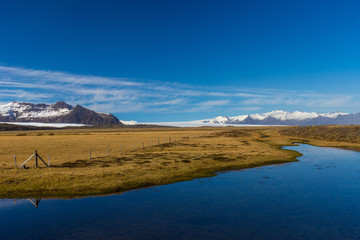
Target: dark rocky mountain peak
{"points": [[62, 104], [60, 112]]}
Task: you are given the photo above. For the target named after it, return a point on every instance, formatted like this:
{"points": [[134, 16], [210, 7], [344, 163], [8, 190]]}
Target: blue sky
{"points": [[182, 60]]}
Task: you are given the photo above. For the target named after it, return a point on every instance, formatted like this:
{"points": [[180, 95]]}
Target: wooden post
{"points": [[121, 148], [48, 155], [107, 149], [15, 160], [169, 139], [164, 140], [36, 159], [90, 153], [43, 160], [143, 145], [23, 164], [158, 141]]}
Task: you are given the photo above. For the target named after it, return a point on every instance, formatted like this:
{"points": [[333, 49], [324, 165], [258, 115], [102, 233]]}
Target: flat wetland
{"points": [[123, 159]]}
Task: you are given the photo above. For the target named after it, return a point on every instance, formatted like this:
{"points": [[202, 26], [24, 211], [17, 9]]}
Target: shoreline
{"points": [[198, 157]]}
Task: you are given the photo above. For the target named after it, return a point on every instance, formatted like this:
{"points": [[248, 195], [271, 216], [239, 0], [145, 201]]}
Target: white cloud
{"points": [[248, 95], [245, 109], [116, 95], [55, 76], [175, 101], [120, 108], [21, 94], [214, 103]]}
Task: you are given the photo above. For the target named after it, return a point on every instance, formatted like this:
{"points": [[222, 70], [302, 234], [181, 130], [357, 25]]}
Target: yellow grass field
{"points": [[193, 152], [71, 145]]}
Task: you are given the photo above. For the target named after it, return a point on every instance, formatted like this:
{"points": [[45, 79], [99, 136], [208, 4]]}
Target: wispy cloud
{"points": [[300, 99], [15, 94], [117, 95], [214, 103], [54, 76], [208, 105]]}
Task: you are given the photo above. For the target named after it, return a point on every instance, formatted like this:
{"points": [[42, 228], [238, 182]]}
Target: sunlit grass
{"points": [[194, 152]]}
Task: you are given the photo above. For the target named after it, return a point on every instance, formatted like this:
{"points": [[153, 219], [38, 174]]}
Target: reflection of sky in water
{"points": [[316, 198]]}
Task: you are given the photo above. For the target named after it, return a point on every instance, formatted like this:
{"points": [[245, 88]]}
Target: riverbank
{"points": [[186, 154], [345, 137], [125, 159]]}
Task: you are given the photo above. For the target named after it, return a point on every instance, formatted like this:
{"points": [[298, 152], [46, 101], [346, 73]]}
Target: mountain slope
{"points": [[59, 112]]}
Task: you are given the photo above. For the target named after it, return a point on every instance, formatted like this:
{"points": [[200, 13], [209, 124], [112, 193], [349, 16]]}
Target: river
{"points": [[317, 197]]}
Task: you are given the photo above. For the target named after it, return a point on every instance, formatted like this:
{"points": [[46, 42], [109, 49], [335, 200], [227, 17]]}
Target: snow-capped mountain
{"points": [[59, 112], [279, 117], [131, 122]]}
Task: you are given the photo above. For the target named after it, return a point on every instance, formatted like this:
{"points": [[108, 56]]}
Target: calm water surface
{"points": [[315, 198]]}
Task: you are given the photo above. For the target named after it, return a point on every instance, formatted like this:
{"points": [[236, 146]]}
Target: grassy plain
{"points": [[346, 137], [192, 153]]}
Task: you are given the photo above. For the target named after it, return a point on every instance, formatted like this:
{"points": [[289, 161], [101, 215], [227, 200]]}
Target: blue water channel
{"points": [[317, 197]]}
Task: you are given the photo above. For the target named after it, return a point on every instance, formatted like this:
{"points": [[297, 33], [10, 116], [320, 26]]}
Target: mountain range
{"points": [[59, 112], [62, 112], [279, 117]]}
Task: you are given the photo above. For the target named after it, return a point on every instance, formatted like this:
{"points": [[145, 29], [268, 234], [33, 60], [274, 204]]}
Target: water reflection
{"points": [[315, 198], [34, 202]]}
